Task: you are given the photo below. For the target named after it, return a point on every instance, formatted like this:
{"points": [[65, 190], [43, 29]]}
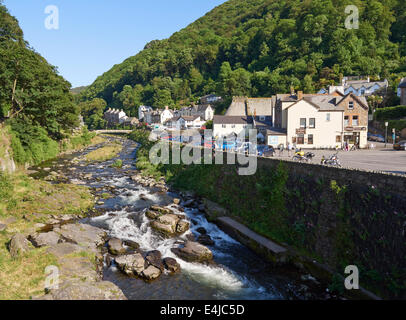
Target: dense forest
{"points": [[34, 99], [259, 48]]}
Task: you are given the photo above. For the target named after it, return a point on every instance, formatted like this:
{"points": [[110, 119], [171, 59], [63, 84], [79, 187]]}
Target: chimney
{"points": [[166, 108], [299, 95], [292, 90]]}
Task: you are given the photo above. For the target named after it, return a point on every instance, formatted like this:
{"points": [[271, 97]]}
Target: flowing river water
{"points": [[238, 273]]}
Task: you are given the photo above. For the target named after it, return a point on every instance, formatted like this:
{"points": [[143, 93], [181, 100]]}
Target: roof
{"points": [[232, 120], [202, 107], [272, 131], [363, 83], [237, 107], [402, 85], [189, 118], [243, 106], [325, 102]]}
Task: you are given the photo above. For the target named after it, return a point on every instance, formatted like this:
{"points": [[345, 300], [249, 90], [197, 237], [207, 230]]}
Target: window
{"points": [[303, 122], [355, 120], [362, 92], [312, 123], [300, 139], [346, 121], [351, 105], [310, 139], [338, 139], [224, 126], [328, 117], [261, 118], [233, 126], [293, 140]]}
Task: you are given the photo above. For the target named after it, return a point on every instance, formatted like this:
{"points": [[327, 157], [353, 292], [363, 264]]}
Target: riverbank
{"points": [[31, 213], [331, 223]]}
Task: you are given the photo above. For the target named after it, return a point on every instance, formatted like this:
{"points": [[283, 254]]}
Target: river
{"points": [[238, 273]]}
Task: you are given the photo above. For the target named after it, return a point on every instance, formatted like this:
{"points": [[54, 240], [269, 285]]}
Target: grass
{"points": [[117, 164], [105, 153], [20, 195]]}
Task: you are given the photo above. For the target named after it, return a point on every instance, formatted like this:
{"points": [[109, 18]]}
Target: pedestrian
{"points": [[289, 148], [346, 146], [281, 149]]}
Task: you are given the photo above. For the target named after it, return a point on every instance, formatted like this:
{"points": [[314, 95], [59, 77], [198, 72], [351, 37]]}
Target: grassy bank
{"points": [[25, 202], [105, 153], [337, 225]]}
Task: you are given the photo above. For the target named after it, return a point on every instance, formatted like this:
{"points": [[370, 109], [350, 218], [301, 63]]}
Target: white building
{"points": [[224, 126], [141, 112], [185, 122], [358, 87]]}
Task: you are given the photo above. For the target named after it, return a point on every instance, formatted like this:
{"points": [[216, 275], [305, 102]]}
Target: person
{"points": [[346, 146], [281, 149], [289, 149]]}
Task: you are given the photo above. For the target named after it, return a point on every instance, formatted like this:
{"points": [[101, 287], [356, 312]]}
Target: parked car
{"points": [[401, 145], [376, 137]]}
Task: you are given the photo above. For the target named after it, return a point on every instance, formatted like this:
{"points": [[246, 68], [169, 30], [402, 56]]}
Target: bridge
{"points": [[113, 131]]}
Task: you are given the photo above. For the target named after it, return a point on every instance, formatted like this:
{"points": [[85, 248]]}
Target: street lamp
{"points": [[386, 133]]}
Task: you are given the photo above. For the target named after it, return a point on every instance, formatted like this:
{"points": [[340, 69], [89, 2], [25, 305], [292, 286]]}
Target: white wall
{"points": [[219, 131], [325, 132]]}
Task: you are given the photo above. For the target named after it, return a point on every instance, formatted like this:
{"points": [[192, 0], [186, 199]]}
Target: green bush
{"points": [[390, 113]]}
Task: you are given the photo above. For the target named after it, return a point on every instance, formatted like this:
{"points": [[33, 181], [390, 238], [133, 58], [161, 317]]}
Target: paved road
{"points": [[379, 159]]}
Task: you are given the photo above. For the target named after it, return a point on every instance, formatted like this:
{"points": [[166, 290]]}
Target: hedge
{"points": [[390, 113]]}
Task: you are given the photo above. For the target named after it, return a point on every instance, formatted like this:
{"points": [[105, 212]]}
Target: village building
{"points": [[226, 126], [115, 117], [142, 110], [210, 99], [131, 122], [361, 88], [402, 92], [204, 111], [323, 121], [184, 123], [158, 116]]}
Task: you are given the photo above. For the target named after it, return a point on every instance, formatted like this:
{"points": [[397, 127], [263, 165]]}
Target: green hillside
{"points": [[35, 104], [258, 48]]}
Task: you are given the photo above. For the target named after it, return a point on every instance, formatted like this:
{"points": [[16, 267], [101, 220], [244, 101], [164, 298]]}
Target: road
{"points": [[379, 159]]}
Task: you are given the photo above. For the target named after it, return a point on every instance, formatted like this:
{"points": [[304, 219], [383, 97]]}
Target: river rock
{"points": [[161, 209], [18, 245], [152, 214], [182, 226], [176, 201], [201, 230], [171, 265], [2, 227], [44, 239], [116, 247], [164, 229], [194, 252], [188, 203], [169, 219], [131, 263], [79, 290], [154, 258], [206, 240], [151, 273], [131, 244], [83, 234]]}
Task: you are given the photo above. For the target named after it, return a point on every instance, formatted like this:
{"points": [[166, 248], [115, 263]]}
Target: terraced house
{"points": [[323, 120]]}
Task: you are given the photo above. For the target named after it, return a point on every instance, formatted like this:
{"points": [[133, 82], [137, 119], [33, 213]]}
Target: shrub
{"points": [[390, 113]]}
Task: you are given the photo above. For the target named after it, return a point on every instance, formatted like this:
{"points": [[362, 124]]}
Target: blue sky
{"points": [[94, 35]]}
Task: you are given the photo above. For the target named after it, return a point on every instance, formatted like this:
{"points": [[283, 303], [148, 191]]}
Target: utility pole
{"points": [[386, 133]]}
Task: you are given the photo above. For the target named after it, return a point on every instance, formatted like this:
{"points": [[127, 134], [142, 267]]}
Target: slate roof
{"points": [[232, 120]]}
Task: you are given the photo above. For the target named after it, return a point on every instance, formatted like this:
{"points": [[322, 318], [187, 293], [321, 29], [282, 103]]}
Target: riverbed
{"points": [[237, 273]]}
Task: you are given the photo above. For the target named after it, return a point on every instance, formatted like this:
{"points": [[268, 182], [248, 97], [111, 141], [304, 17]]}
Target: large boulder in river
{"points": [[161, 209], [18, 245], [182, 226], [154, 258], [194, 252], [206, 240], [44, 239], [83, 234], [151, 273], [131, 264], [116, 246], [171, 265]]}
